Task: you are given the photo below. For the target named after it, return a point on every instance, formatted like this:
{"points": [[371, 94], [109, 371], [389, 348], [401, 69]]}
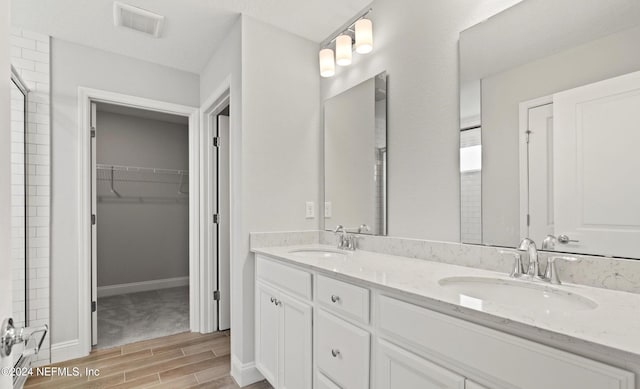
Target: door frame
{"points": [[196, 192], [523, 126], [215, 104]]}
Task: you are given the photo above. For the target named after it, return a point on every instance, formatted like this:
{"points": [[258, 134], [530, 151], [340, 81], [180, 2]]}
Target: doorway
{"points": [[217, 119], [87, 260], [206, 294], [140, 223]]}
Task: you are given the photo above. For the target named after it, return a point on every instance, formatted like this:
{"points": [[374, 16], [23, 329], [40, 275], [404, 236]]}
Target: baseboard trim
{"points": [[65, 351], [143, 286], [244, 373]]}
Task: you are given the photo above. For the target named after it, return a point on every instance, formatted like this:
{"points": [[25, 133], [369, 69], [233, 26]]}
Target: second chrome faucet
{"points": [[533, 270]]}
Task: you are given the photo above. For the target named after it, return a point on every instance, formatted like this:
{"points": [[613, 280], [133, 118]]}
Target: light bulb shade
{"points": [[343, 50], [327, 64], [364, 36]]}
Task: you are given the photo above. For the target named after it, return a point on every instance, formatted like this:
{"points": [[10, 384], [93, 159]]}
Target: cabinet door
{"points": [[398, 368], [295, 344], [267, 333]]}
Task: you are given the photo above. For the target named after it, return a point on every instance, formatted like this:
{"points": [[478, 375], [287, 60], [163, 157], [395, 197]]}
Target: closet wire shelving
{"points": [[112, 175]]}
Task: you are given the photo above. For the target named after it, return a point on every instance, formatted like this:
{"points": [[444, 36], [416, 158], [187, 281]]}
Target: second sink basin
{"points": [[478, 292], [319, 253]]}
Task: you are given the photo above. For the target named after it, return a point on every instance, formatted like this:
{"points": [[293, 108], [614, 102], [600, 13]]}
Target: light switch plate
{"points": [[310, 210], [327, 209]]}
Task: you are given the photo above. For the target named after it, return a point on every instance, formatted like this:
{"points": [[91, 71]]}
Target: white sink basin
{"points": [[319, 253], [527, 296]]}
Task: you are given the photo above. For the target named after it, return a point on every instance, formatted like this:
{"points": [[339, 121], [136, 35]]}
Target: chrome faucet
{"points": [[348, 241], [551, 273], [345, 241], [529, 246]]}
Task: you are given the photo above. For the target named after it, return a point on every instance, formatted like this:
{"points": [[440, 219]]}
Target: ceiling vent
{"points": [[138, 19]]}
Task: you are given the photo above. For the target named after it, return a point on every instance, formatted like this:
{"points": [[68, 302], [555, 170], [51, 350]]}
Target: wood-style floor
{"points": [[186, 360]]}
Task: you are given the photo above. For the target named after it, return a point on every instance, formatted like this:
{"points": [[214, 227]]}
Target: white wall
{"points": [[416, 42], [224, 70], [275, 150], [501, 95], [281, 141], [73, 66], [149, 238], [5, 178]]}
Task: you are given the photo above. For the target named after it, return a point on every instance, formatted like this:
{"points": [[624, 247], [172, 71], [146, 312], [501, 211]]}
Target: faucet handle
{"points": [[551, 274], [518, 268], [363, 228], [549, 242]]}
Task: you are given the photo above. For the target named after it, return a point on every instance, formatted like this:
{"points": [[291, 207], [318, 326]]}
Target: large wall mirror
{"points": [[550, 127], [355, 158]]}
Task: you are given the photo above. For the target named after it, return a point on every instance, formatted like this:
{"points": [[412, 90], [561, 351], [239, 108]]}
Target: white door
{"points": [[540, 168], [267, 332], [224, 239], [295, 344], [94, 231], [398, 368], [596, 160]]}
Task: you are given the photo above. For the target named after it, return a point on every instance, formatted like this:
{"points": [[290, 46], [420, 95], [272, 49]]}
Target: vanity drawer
{"points": [[343, 298], [342, 351], [290, 279]]}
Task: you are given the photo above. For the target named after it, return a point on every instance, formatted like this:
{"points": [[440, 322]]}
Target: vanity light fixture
{"points": [[359, 31], [327, 65], [343, 50], [364, 36]]}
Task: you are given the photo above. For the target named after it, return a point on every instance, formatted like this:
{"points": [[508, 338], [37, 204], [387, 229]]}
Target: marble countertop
{"points": [[614, 323]]}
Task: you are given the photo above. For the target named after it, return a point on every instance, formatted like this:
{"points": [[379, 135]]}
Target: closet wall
{"points": [[143, 235]]}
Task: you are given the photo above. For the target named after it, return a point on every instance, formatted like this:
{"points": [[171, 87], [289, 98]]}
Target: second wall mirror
{"points": [[355, 158]]}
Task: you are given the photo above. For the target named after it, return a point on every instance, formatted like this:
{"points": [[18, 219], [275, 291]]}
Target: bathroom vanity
{"points": [[331, 319]]}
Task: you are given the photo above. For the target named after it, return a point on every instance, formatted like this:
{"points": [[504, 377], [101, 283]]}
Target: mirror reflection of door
{"points": [[596, 186], [537, 187], [577, 176], [18, 208]]}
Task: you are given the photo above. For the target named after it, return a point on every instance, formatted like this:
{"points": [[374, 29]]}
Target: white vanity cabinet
{"points": [[283, 326], [368, 337]]}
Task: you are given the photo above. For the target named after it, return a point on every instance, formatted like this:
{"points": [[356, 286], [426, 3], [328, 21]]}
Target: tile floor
{"points": [[133, 317], [186, 360]]}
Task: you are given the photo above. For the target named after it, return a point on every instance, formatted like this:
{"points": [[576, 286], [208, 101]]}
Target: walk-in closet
{"points": [[141, 224]]}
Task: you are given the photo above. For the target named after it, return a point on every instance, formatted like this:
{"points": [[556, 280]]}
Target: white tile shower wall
{"points": [[471, 193], [471, 207], [30, 56]]}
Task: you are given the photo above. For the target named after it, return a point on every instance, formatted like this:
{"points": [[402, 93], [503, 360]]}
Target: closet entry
{"points": [[140, 224]]}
